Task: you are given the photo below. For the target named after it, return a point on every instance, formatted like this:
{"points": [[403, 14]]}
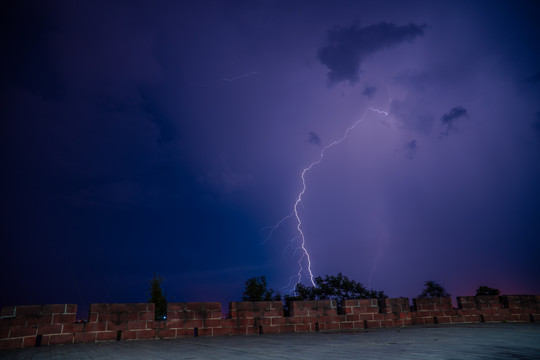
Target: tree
{"points": [[334, 287], [157, 297], [433, 290], [256, 289], [485, 290]]}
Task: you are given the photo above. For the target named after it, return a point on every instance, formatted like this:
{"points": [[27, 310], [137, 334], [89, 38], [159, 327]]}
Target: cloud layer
{"points": [[450, 118], [346, 48]]}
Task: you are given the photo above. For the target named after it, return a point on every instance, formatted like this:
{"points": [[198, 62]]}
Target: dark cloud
{"points": [[449, 118], [314, 138], [369, 91], [346, 48], [410, 149]]}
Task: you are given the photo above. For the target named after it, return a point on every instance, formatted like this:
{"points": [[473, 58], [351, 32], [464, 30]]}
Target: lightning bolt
{"points": [[295, 213]]}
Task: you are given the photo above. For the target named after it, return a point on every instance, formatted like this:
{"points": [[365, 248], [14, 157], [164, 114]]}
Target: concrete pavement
{"points": [[474, 341]]}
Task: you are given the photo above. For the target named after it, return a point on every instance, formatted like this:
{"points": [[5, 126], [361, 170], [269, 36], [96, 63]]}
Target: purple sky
{"points": [[164, 136]]}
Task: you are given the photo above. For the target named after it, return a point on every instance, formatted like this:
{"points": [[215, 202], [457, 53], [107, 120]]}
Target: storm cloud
{"points": [[449, 119], [369, 91], [314, 139], [346, 48], [410, 149]]}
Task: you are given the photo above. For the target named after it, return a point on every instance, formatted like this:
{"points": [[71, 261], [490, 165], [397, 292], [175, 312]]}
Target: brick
{"points": [[22, 331], [387, 323], [63, 318], [301, 328], [104, 317], [147, 316], [151, 324], [358, 325], [299, 312], [84, 337], [373, 324], [262, 305], [89, 327], [60, 339], [106, 336], [71, 328], [71, 309], [217, 323], [11, 344], [29, 341], [222, 331], [324, 318], [93, 317], [180, 315], [308, 319], [345, 325], [444, 319], [276, 305], [28, 310], [53, 309], [193, 324], [278, 321], [175, 324], [180, 333], [129, 335], [167, 333], [171, 307], [379, 317], [115, 326], [45, 340], [273, 313], [128, 316], [49, 329], [4, 332], [331, 326], [39, 320], [194, 306], [8, 311], [271, 330], [206, 332]]}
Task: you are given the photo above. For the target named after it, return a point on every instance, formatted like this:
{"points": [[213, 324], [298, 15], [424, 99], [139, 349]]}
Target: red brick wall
{"points": [[21, 326], [30, 325]]}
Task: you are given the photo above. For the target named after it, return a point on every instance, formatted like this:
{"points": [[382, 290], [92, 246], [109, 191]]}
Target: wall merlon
{"points": [[20, 326]]}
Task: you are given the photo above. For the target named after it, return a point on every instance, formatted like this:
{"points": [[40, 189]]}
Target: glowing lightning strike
{"points": [[305, 252]]}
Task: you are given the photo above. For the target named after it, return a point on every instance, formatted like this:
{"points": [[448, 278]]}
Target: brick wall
{"points": [[40, 325]]}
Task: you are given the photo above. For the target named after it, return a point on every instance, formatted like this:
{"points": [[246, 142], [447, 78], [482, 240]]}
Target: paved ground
{"points": [[481, 341]]}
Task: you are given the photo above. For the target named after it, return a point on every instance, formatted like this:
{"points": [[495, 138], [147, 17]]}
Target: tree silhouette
{"points": [[157, 297], [256, 289], [485, 290], [433, 290], [334, 287]]}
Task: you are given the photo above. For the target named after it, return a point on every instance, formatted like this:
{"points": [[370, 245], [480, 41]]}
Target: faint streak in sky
{"points": [[239, 77]]}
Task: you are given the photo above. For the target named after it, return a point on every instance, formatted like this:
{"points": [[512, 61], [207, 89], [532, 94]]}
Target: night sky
{"points": [[170, 136]]}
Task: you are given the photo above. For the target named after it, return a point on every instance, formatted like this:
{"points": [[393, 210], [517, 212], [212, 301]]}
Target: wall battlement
{"points": [[42, 325]]}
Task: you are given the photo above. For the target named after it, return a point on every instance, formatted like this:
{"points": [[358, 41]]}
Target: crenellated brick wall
{"points": [[41, 325]]}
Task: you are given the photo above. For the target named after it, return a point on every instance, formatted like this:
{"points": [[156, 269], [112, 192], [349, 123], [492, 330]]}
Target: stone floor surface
{"points": [[479, 341]]}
